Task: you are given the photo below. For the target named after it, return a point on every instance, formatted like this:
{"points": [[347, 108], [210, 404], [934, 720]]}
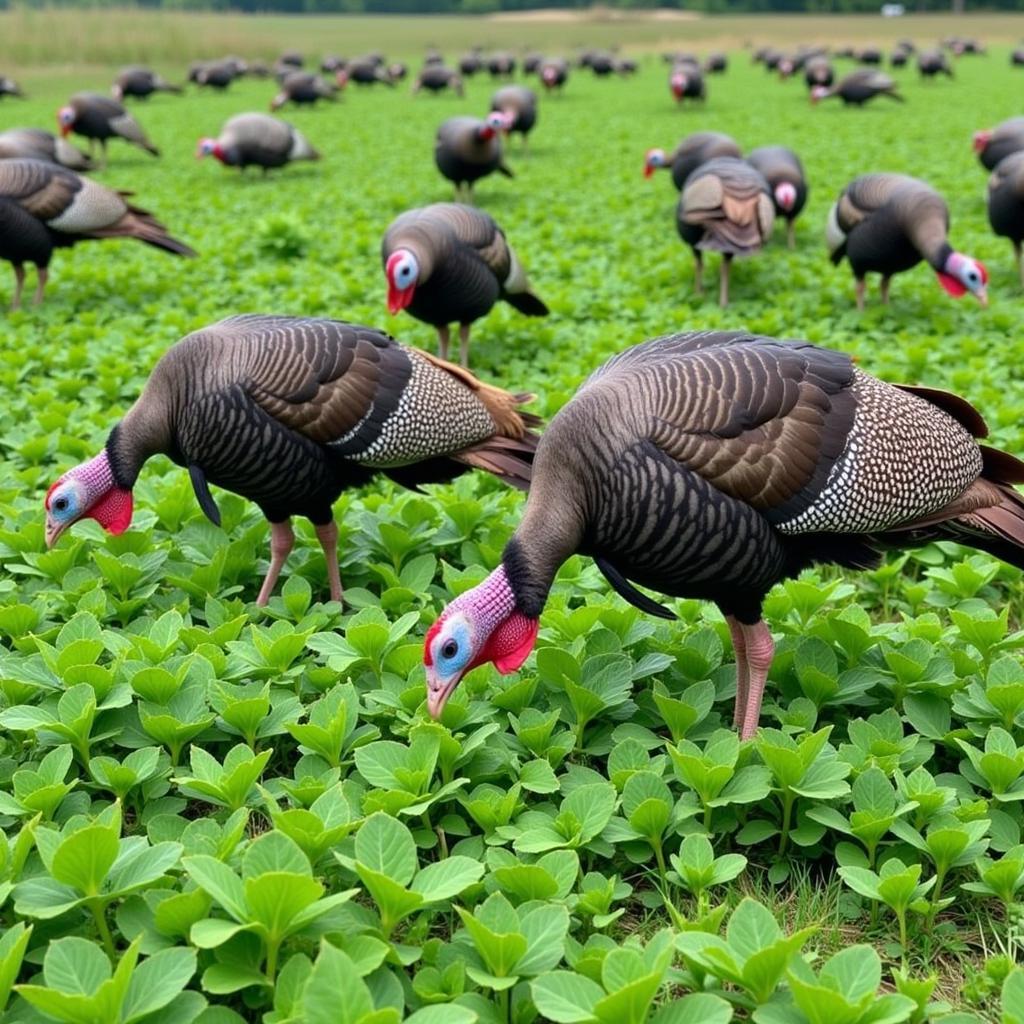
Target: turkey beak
{"points": [[53, 530], [65, 130], [439, 690], [983, 296]]}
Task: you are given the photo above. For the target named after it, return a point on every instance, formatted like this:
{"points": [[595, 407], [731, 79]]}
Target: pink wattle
{"points": [[510, 644], [952, 285], [114, 511]]}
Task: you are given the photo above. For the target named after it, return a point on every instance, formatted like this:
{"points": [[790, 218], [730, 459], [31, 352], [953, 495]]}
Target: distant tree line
{"points": [[485, 6]]}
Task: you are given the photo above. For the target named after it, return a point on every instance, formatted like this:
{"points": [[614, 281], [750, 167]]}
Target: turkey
{"points": [[141, 83], [819, 72], [602, 64], [685, 81], [694, 150], [716, 64], [858, 87], [993, 144], [35, 144], [532, 62], [518, 105], [713, 465], [45, 207], [869, 55], [724, 207], [554, 74], [1017, 57], [1006, 203], [288, 412], [9, 87], [625, 66], [449, 263], [364, 71], [784, 173], [257, 140], [933, 62], [302, 87], [900, 58], [332, 63], [291, 59], [397, 71], [501, 65], [467, 149], [216, 75], [436, 78], [888, 223], [98, 118], [470, 64]]}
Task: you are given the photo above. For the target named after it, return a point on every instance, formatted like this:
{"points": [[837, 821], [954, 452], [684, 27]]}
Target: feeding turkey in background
{"points": [[257, 140], [518, 106], [141, 83], [694, 150], [858, 88], [98, 118], [36, 144], [1006, 203], [467, 149], [784, 172], [994, 144]]}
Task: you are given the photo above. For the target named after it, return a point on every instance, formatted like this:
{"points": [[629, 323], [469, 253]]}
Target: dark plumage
{"points": [[214, 75], [994, 144], [9, 87], [257, 140], [888, 223], [716, 64], [869, 55], [437, 78], [694, 150], [685, 81], [602, 64], [554, 73], [1017, 57], [470, 64], [725, 207], [933, 62], [449, 263], [288, 412], [35, 144], [501, 65], [141, 83], [713, 465], [819, 72], [467, 149], [858, 87], [44, 207], [532, 62], [365, 71], [518, 104], [302, 87], [1006, 203], [98, 118], [332, 63], [784, 172], [899, 58]]}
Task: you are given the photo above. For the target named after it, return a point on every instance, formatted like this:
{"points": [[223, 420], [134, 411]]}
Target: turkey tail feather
{"points": [[511, 460], [141, 225]]}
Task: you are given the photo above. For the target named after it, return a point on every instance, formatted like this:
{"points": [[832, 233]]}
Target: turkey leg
{"points": [[327, 534], [282, 539], [443, 335], [759, 650], [19, 284], [464, 345], [742, 670], [723, 280]]}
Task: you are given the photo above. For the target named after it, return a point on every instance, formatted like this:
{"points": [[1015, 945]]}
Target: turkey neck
{"points": [[927, 222], [145, 431]]}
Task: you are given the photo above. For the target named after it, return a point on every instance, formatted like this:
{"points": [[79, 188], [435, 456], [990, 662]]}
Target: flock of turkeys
{"points": [[705, 465]]}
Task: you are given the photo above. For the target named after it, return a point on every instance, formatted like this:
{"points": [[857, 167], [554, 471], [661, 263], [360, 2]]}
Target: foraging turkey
{"points": [[725, 207], [888, 223], [1017, 57], [518, 105], [449, 263], [398, 72], [216, 75], [602, 64], [364, 71], [436, 78], [501, 65], [554, 73], [302, 87], [626, 66], [900, 58], [332, 63], [694, 150], [784, 172], [716, 64], [933, 62], [466, 150], [1006, 203], [98, 118], [685, 81], [470, 64], [289, 412], [713, 465], [993, 144], [858, 87], [532, 62], [45, 207], [819, 72], [35, 144], [869, 55], [141, 83], [292, 59], [258, 140], [9, 87]]}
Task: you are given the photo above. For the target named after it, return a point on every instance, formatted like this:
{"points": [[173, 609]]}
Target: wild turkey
{"points": [[724, 207], [993, 144], [35, 144], [626, 66], [554, 74], [771, 58], [397, 71], [602, 64], [301, 87], [1017, 57], [694, 150], [501, 65], [470, 64], [213, 75], [45, 207], [899, 58], [869, 55], [436, 78], [141, 83], [713, 465], [819, 72], [467, 149], [364, 71], [518, 105], [292, 59], [933, 62], [888, 223], [716, 64], [1006, 203], [858, 87], [449, 263], [784, 173], [332, 63], [9, 87], [433, 56], [685, 81], [289, 412], [257, 140], [98, 118], [532, 62]]}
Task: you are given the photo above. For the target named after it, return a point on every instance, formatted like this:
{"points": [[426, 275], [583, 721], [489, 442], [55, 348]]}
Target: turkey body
{"points": [[99, 118], [933, 62], [725, 207], [303, 88], [818, 71], [712, 465], [466, 150], [1006, 203], [1006, 138], [260, 140], [861, 86], [685, 81], [437, 78], [45, 207], [695, 150], [554, 73], [140, 83], [9, 87], [35, 144], [217, 75], [520, 104], [780, 166]]}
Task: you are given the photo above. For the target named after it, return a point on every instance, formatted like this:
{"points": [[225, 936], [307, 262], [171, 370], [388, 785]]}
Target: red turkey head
{"points": [[87, 492]]}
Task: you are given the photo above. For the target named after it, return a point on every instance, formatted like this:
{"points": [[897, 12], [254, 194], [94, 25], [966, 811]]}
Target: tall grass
{"points": [[34, 38]]}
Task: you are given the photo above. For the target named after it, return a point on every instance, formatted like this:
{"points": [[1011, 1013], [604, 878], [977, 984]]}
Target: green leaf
{"points": [[566, 997], [386, 846], [156, 982], [84, 858]]}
